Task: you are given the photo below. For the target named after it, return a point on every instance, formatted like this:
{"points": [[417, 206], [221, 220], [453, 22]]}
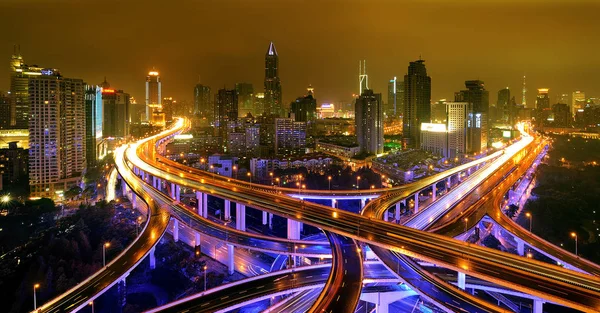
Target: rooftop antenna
{"points": [[363, 78]]}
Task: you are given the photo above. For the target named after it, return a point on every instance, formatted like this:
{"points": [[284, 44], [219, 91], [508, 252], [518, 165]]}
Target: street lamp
{"points": [[205, 268], [530, 220], [271, 174], [357, 179], [249, 176], [329, 179], [5, 199], [104, 246], [92, 304], [137, 226], [235, 170], [35, 287], [574, 235], [278, 181], [466, 221], [211, 169]]}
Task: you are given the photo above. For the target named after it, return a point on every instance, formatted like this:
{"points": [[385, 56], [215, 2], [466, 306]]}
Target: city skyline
{"points": [[530, 51]]}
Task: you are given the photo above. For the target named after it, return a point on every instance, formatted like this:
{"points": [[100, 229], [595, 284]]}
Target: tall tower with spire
{"points": [[524, 99], [272, 100]]}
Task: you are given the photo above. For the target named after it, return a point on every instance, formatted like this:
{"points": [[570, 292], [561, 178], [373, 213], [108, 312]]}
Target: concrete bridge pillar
{"points": [[363, 202], [197, 238], [265, 218], [520, 247], [417, 202], [270, 220], [333, 201], [449, 182], [122, 290], [178, 193], [397, 213], [227, 209], [461, 280], [240, 217], [173, 191], [175, 230], [538, 306], [385, 215], [152, 259], [230, 258], [434, 192], [293, 229], [154, 182]]}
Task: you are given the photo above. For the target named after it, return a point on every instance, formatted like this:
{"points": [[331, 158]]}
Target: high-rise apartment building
{"points": [[153, 95], [503, 106], [460, 124], [542, 106], [116, 113], [169, 106], [395, 101], [577, 101], [57, 144], [368, 118], [479, 99], [202, 102], [4, 111], [272, 99], [245, 96], [417, 102], [226, 110], [290, 136]]}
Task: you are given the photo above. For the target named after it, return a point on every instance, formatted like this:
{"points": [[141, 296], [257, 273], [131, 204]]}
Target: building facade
{"points": [[460, 124], [272, 97], [290, 136], [57, 144], [368, 117], [153, 94], [417, 102]]}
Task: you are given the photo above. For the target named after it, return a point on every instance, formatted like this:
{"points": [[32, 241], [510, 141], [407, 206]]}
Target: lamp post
{"points": [[104, 246], [574, 235], [35, 287], [278, 181], [212, 170], [249, 176], [92, 304], [205, 268], [329, 179], [235, 170], [357, 179], [466, 221], [530, 220], [271, 174]]}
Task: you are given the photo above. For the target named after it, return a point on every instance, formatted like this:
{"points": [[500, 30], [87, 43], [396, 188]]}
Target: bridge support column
{"points": [[417, 201], [270, 220], [333, 201], [133, 200], [520, 247], [230, 262], [173, 191], [199, 202], [293, 229], [363, 202], [265, 218], [152, 259], [386, 215], [124, 188], [177, 192], [538, 306], [175, 230], [154, 183], [461, 280], [434, 192], [397, 211], [227, 209], [449, 182], [197, 238], [240, 217], [122, 290], [205, 205]]}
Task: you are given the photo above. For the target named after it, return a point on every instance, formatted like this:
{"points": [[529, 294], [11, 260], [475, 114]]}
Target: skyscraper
{"points": [[4, 111], [272, 100], [542, 106], [368, 118], [395, 105], [19, 85], [503, 105], [57, 144], [116, 113], [226, 110], [479, 99], [93, 124], [202, 105], [524, 99], [153, 94], [577, 101], [304, 109], [459, 128], [245, 96], [417, 102]]}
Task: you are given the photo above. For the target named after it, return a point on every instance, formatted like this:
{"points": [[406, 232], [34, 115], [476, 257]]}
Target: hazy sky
{"points": [[555, 43]]}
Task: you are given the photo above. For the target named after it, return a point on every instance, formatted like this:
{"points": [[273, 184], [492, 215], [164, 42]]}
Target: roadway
{"points": [[546, 281]]}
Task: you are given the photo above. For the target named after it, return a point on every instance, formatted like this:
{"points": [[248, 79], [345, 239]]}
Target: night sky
{"points": [[555, 43]]}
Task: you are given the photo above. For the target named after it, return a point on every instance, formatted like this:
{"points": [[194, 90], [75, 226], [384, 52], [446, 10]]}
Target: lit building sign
{"points": [[433, 127]]}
